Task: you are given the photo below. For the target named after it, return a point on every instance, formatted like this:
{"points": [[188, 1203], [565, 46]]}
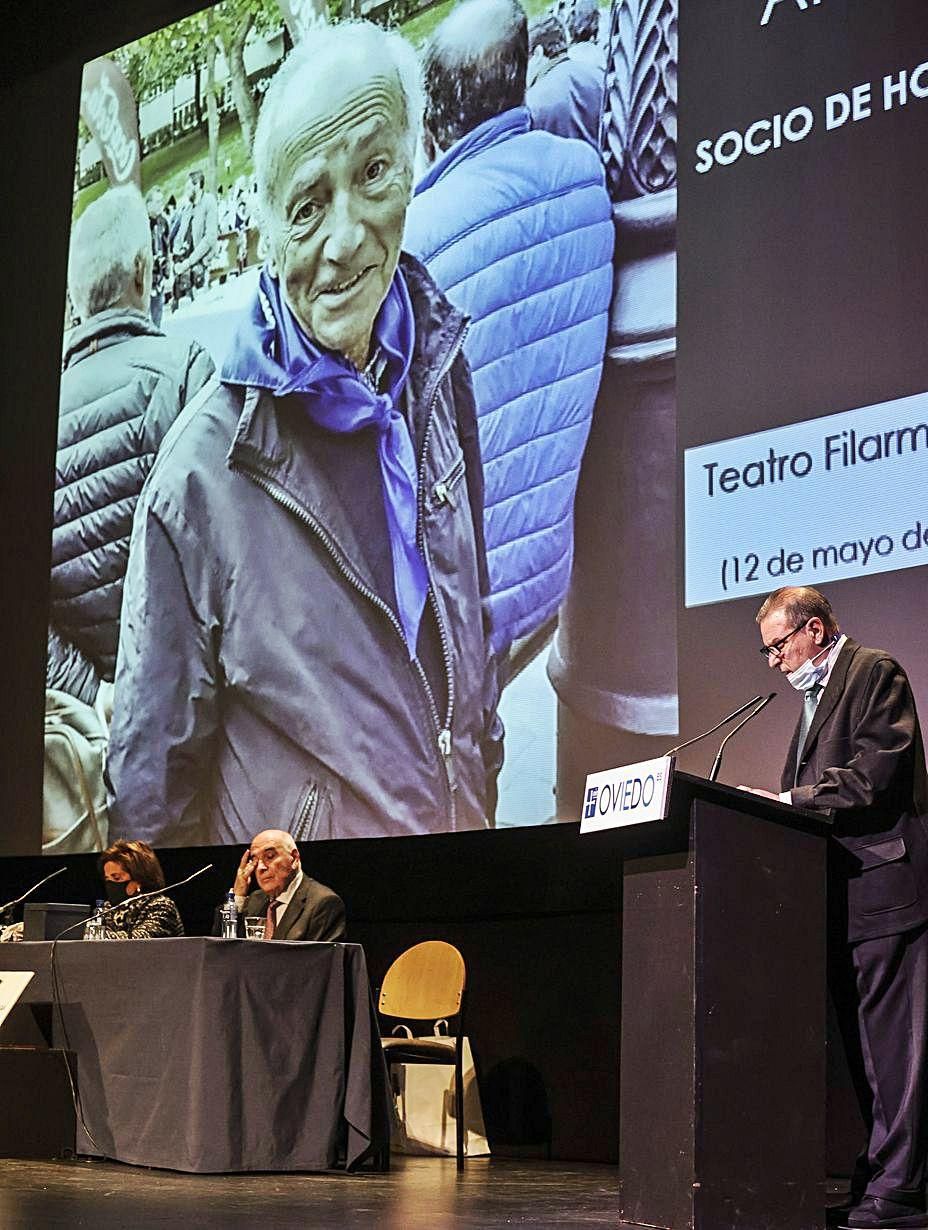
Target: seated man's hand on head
{"points": [[243, 875]]}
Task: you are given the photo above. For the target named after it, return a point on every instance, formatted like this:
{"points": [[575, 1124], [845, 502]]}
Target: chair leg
{"points": [[383, 1157], [459, 1102]]}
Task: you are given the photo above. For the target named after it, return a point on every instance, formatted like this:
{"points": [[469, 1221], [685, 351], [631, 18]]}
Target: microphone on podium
{"points": [[154, 892], [718, 726], [714, 772]]}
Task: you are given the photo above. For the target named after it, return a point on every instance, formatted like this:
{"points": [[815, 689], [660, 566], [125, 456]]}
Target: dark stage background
{"points": [[802, 292]]}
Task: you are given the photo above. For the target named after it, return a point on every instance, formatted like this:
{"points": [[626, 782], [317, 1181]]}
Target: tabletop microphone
{"points": [[154, 892], [28, 893], [744, 721], [718, 726]]}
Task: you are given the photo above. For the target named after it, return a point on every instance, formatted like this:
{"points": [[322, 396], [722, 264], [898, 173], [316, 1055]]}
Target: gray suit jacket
{"points": [[864, 762], [315, 912]]}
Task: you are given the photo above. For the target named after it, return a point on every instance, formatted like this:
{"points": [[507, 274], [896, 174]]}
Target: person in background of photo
{"points": [[161, 274], [195, 237], [224, 209], [123, 385], [130, 868], [516, 227], [241, 221], [581, 19], [304, 633], [565, 96], [547, 44]]}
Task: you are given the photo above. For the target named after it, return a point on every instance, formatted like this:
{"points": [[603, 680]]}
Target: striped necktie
{"points": [[270, 922]]}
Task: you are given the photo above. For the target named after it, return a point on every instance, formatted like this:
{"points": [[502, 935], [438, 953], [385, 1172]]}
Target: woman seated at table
{"points": [[130, 868]]}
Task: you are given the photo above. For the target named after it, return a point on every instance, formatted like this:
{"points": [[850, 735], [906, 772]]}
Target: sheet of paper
{"points": [[12, 985]]}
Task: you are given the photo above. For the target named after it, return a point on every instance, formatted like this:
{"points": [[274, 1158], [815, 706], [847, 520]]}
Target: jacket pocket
{"points": [[312, 815], [886, 880]]}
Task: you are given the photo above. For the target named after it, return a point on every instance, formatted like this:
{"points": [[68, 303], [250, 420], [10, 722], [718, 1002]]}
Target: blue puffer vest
{"points": [[515, 227]]}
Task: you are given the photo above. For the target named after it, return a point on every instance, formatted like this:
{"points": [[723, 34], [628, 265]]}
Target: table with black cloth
{"points": [[210, 1055]]}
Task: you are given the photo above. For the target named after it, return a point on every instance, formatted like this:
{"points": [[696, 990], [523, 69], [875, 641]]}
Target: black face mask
{"points": [[116, 891]]}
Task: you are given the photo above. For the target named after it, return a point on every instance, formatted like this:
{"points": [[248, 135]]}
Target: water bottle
{"points": [[93, 927], [229, 917]]}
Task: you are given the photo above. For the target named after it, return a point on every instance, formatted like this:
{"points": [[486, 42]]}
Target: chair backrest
{"points": [[425, 982]]}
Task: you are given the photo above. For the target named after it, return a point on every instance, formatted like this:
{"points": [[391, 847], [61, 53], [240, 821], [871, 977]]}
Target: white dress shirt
{"points": [[283, 899]]}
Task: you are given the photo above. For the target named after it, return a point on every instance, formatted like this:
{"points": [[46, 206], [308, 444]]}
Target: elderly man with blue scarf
{"points": [[304, 632]]}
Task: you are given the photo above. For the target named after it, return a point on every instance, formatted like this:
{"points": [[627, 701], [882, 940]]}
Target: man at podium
{"points": [[857, 753]]}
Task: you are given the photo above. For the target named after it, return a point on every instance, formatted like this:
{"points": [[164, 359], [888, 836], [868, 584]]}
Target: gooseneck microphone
{"points": [[744, 721], [718, 726], [154, 892], [28, 893]]}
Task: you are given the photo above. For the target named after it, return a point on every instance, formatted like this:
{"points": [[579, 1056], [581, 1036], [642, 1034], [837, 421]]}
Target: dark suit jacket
{"points": [[314, 912], [864, 763]]}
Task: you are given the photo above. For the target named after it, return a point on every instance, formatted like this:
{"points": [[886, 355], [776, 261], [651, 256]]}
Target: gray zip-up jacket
{"points": [[260, 678]]}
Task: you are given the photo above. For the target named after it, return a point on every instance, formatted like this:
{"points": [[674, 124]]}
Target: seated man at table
{"points": [[295, 906]]}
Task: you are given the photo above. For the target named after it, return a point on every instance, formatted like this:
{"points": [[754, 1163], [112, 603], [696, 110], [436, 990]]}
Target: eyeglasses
{"points": [[777, 647]]}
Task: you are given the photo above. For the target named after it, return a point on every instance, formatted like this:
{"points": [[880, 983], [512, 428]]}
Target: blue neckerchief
{"points": [[271, 351]]}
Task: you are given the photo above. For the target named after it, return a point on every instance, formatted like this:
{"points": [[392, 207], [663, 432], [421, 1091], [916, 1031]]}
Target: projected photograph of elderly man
{"points": [[355, 562], [303, 631]]}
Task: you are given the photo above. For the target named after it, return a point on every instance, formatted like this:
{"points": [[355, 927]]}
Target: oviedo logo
{"points": [[627, 794]]}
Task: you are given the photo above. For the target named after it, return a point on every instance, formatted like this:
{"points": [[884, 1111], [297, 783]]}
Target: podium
{"points": [[722, 1067]]}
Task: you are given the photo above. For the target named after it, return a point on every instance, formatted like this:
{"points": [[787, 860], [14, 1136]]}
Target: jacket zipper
{"points": [[308, 806], [443, 490], [444, 735]]}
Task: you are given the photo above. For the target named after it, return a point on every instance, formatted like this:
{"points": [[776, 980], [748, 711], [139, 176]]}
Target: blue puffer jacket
{"points": [[123, 385], [515, 227]]}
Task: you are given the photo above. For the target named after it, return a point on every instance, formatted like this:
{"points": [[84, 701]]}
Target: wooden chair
{"points": [[426, 984]]}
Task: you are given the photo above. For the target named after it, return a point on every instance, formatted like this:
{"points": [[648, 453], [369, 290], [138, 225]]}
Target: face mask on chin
{"points": [[116, 892], [807, 674]]}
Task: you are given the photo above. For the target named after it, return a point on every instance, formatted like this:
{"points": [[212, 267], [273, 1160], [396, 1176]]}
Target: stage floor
{"points": [[417, 1194]]}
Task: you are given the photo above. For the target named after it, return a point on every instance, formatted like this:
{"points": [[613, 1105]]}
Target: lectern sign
{"points": [[632, 794]]}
